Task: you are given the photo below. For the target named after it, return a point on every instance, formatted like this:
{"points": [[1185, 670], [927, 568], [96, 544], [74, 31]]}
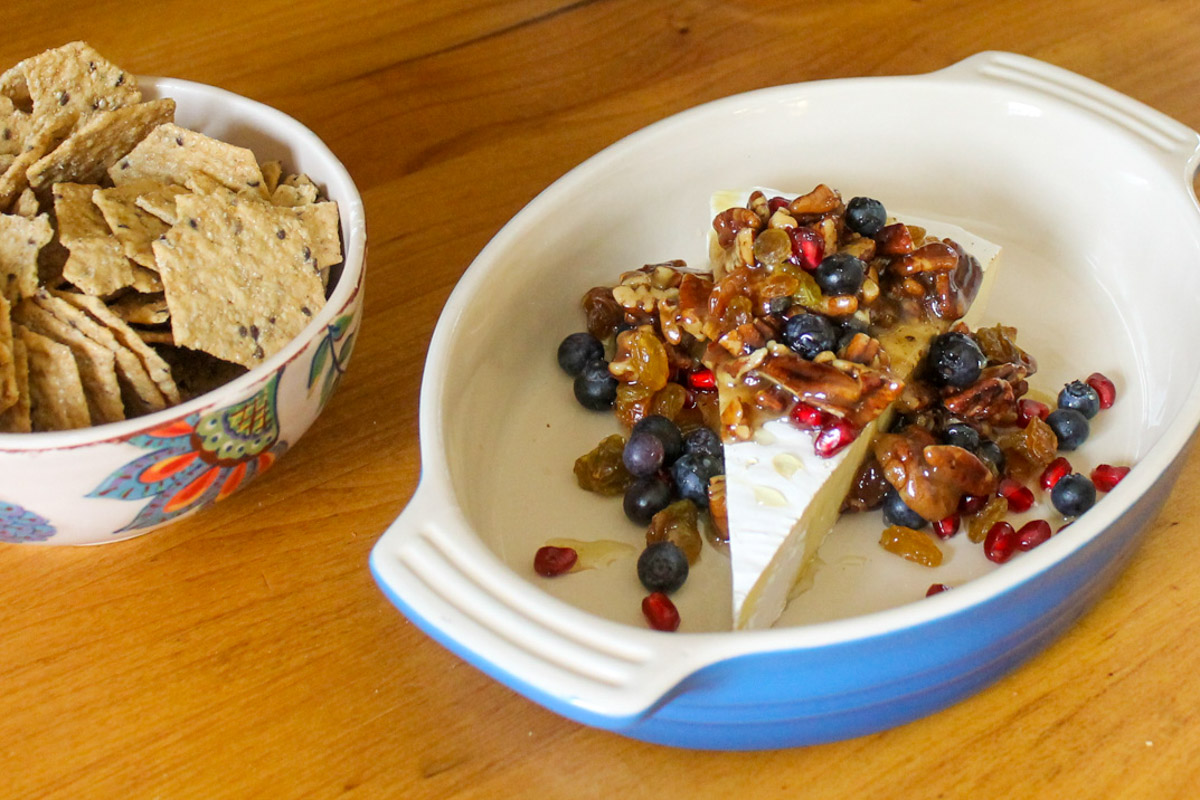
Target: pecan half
{"points": [[931, 478]]}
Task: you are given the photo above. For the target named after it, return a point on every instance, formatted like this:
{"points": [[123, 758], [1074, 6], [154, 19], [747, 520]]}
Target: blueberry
{"points": [[865, 215], [577, 350], [897, 512], [643, 454], [645, 498], [810, 334], [839, 274], [662, 567], [595, 388], [1081, 397], [960, 434], [704, 442], [955, 360], [665, 431], [1073, 494], [691, 473], [1070, 426], [992, 455]]}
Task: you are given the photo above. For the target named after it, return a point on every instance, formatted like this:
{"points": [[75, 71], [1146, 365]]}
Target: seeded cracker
{"points": [[172, 154], [47, 132], [271, 170], [141, 309], [56, 401], [15, 418], [160, 200], [20, 240], [9, 391], [139, 393], [96, 144], [97, 263], [236, 276], [156, 368], [134, 228], [27, 205], [76, 78], [96, 365]]}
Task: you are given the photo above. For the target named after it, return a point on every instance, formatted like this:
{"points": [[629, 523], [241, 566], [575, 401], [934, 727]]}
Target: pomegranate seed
{"points": [[1106, 477], [1001, 542], [776, 203], [947, 527], [808, 417], [833, 437], [1104, 387], [972, 503], [550, 561], [1033, 533], [1019, 497], [1053, 471], [808, 247], [702, 380], [660, 612], [936, 588], [1028, 409]]}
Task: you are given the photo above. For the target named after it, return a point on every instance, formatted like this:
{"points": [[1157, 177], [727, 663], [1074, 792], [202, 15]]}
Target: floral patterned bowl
{"points": [[123, 479]]}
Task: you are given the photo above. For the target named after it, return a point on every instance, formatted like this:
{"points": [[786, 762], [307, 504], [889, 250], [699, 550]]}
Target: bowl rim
{"points": [[435, 496], [351, 209]]}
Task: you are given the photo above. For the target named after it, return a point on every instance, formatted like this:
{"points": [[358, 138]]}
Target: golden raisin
{"points": [[641, 357], [678, 523], [982, 522], [602, 470], [633, 402], [669, 401], [911, 544], [1029, 450]]}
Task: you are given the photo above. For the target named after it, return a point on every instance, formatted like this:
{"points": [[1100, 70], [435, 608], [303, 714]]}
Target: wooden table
{"points": [[246, 652]]}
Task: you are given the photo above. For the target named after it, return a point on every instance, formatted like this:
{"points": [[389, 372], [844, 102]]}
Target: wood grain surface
{"points": [[246, 652]]}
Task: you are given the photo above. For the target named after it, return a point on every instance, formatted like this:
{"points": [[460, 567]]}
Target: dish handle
{"points": [[1179, 144], [447, 582]]}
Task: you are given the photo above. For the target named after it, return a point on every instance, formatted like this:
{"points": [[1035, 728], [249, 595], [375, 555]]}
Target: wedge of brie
{"points": [[782, 498]]}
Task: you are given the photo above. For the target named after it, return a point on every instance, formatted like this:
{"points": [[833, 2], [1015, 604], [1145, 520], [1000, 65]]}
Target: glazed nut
{"points": [[842, 305], [729, 222], [642, 296], [758, 204], [861, 349], [820, 200], [744, 246], [781, 219], [870, 291], [987, 398]]}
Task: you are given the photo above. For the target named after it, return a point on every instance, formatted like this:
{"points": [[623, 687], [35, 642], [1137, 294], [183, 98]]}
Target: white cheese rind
{"points": [[782, 498]]}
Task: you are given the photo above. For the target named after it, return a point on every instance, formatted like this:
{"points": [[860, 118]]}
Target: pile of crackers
{"points": [[140, 262]]}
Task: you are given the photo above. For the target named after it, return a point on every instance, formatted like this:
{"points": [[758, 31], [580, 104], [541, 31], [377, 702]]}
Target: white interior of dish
{"points": [[1100, 235]]}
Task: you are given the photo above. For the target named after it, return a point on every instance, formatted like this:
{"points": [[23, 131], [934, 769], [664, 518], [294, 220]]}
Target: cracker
{"points": [[8, 373], [96, 144], [6, 161], [14, 86], [27, 204], [21, 238], [56, 399], [133, 227], [76, 78], [236, 277], [97, 263], [46, 133], [160, 200], [172, 154], [320, 221], [137, 308], [271, 171], [14, 127], [156, 368], [296, 190], [139, 393], [15, 418], [145, 280], [96, 364]]}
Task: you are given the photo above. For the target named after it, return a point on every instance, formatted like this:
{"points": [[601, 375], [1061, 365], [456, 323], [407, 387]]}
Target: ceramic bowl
{"points": [[1090, 195], [123, 479]]}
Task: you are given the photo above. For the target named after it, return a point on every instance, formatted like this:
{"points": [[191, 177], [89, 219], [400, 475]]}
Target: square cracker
{"points": [[172, 154], [134, 227], [98, 141], [237, 280], [21, 239], [138, 391], [156, 368], [96, 364], [47, 132], [160, 200], [76, 78], [15, 418], [97, 263], [14, 127], [8, 368], [56, 399], [320, 221]]}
